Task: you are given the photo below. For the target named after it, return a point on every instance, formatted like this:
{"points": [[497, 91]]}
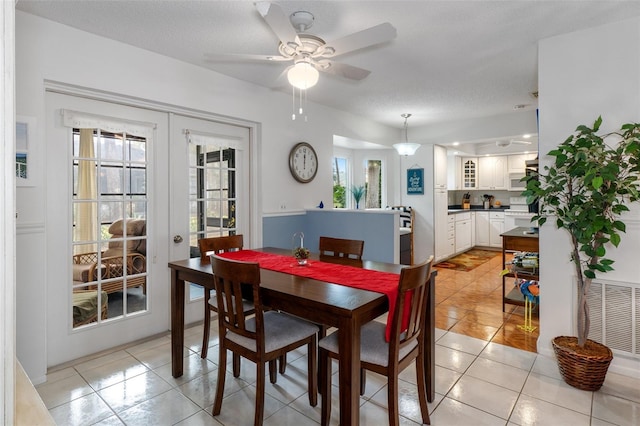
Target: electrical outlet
{"points": [[283, 206]]}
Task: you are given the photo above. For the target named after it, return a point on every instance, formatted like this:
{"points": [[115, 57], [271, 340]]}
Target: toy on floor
{"points": [[530, 289]]}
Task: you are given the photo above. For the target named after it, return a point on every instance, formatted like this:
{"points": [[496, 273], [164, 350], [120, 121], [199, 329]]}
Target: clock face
{"points": [[303, 162]]}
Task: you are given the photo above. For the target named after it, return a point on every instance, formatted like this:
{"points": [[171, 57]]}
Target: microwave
{"points": [[514, 183]]}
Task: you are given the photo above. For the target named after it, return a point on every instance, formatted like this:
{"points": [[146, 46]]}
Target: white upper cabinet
{"points": [[492, 172], [516, 162], [469, 173], [439, 167], [454, 172]]}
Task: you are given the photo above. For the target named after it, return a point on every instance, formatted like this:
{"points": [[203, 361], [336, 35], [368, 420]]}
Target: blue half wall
{"points": [[377, 228]]}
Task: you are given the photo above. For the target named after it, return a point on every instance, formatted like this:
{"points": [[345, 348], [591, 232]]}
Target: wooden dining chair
{"points": [[388, 358], [217, 245], [262, 338], [341, 250]]}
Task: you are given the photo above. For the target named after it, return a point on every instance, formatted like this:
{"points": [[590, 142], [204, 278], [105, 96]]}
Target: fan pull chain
{"points": [[293, 103], [302, 100]]}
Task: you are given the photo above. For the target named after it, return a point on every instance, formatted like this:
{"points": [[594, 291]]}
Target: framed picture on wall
{"points": [[415, 181], [25, 126]]}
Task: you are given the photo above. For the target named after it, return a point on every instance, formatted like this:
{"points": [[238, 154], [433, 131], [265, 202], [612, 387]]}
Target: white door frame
{"points": [[8, 208]]}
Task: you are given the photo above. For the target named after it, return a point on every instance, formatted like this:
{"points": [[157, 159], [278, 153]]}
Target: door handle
{"points": [[177, 239]]}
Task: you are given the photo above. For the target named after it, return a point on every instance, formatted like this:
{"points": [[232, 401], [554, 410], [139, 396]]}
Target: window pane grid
{"points": [[117, 191]]}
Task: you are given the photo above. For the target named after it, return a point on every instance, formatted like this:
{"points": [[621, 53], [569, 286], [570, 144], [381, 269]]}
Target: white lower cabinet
{"points": [[450, 248], [482, 229], [473, 229], [463, 232], [496, 227], [489, 226], [442, 232]]}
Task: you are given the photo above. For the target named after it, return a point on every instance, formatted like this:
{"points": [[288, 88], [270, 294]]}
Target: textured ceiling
{"points": [[451, 59]]}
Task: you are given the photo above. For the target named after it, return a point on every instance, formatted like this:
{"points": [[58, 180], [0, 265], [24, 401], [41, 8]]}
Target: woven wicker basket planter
{"points": [[586, 372]]}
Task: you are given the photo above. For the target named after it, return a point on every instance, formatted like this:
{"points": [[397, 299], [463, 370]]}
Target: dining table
{"points": [[320, 301]]}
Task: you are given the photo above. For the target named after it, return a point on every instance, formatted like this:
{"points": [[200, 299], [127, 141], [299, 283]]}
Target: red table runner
{"points": [[365, 279]]}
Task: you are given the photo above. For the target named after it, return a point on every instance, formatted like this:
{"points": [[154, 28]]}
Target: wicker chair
{"points": [[85, 307], [112, 264]]}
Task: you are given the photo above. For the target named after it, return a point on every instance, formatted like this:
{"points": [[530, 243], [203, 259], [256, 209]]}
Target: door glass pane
{"points": [[212, 196], [109, 226]]}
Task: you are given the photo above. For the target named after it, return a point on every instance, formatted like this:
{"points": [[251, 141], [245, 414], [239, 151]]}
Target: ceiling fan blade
{"points": [[365, 38], [240, 57], [279, 22], [343, 70]]}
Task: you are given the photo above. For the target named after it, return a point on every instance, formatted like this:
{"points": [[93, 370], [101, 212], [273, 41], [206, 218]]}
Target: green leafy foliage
{"points": [[339, 196], [592, 180], [357, 192]]}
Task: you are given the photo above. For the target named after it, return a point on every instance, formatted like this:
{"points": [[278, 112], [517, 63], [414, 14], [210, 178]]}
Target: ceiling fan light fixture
{"points": [[303, 75]]}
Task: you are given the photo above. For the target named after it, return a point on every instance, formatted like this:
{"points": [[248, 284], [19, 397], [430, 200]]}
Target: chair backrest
{"points": [[228, 277], [217, 245], [415, 279], [340, 248], [406, 216]]}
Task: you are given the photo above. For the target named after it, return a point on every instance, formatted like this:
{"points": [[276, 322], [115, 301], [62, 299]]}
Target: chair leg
{"points": [[217, 404], [322, 333], [422, 389], [236, 365], [283, 363], [325, 385], [273, 375], [363, 381], [259, 394], [392, 397], [311, 371], [206, 327]]}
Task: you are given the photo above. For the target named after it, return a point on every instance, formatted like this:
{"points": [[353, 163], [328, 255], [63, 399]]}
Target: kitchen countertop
{"points": [[479, 208]]}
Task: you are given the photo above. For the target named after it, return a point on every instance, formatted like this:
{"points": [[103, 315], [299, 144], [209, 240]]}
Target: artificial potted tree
{"points": [[592, 180], [358, 193]]}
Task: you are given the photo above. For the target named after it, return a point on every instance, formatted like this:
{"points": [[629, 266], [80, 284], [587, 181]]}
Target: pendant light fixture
{"points": [[406, 147]]}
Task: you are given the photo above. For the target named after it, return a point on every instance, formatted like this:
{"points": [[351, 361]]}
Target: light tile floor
{"points": [[487, 372]]}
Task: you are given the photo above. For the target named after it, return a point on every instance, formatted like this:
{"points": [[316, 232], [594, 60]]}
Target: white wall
{"points": [[583, 75], [47, 51]]}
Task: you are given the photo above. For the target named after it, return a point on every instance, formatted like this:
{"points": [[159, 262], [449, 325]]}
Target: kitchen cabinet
{"points": [[496, 228], [454, 172], [439, 167], [482, 229], [473, 229], [462, 232], [492, 172], [516, 162], [469, 173], [444, 229]]}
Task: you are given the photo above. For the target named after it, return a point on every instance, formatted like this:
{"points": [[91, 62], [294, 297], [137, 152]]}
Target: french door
{"points": [[103, 264], [209, 174]]}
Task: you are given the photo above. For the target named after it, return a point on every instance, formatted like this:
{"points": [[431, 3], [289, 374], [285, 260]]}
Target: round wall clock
{"points": [[303, 162]]}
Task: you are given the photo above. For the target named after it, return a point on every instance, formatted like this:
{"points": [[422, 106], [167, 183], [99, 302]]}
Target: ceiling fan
{"points": [[506, 143], [310, 53]]}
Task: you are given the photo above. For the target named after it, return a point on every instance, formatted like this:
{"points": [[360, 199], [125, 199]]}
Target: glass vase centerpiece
{"points": [[299, 251]]}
